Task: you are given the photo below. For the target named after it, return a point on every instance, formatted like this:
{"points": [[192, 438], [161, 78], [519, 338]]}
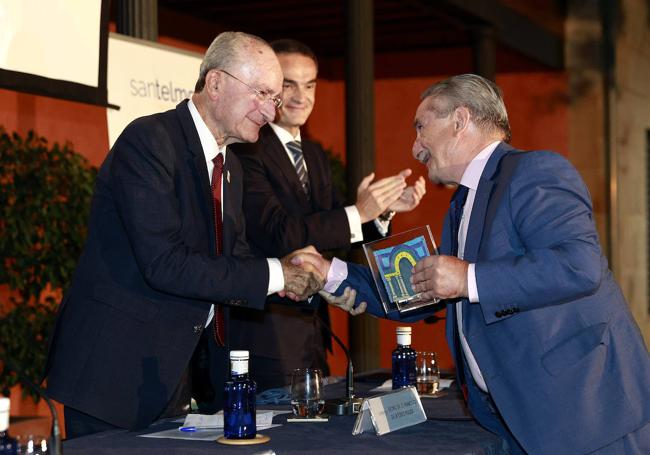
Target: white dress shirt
{"points": [[211, 149], [470, 179]]}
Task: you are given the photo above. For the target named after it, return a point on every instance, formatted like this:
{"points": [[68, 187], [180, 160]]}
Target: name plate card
{"points": [[390, 412]]}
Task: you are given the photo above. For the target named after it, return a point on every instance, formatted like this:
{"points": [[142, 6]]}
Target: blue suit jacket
{"points": [[144, 284], [562, 357]]}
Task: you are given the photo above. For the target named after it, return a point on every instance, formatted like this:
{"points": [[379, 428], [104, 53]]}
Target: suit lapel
{"points": [[196, 162], [279, 158], [311, 155], [477, 220], [229, 197]]}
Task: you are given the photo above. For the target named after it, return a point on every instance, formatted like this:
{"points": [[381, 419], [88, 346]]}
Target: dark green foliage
{"points": [[339, 181], [45, 194], [338, 173]]}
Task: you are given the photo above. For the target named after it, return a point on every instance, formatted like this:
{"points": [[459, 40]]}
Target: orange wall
{"points": [[81, 124]]}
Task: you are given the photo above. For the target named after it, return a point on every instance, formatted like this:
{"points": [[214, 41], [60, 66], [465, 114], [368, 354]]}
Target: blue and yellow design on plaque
{"points": [[395, 266]]}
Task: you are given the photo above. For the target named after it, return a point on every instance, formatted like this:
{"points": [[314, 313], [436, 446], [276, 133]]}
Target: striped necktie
{"points": [[299, 163]]}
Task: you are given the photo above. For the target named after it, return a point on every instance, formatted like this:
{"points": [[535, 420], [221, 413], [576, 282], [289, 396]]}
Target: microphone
{"points": [[349, 404], [55, 439]]}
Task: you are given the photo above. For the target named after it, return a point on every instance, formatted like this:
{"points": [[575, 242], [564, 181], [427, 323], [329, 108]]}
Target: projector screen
{"points": [[55, 48]]}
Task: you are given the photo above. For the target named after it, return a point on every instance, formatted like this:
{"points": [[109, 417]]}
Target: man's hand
{"points": [[374, 198], [301, 278], [442, 277], [312, 257], [410, 198], [344, 301]]}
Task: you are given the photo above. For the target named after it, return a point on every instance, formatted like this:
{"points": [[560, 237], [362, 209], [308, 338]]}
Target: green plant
{"points": [[338, 173], [45, 194]]}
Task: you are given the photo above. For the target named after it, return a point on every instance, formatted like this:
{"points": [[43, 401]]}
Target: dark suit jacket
{"points": [[560, 352], [143, 287], [280, 218]]}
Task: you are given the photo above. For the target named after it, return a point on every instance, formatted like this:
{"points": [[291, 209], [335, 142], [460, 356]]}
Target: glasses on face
{"points": [[262, 96]]}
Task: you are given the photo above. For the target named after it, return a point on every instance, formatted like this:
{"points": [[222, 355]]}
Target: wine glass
{"points": [[306, 398], [427, 373]]}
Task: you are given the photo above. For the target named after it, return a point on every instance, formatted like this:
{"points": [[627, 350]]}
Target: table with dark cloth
{"points": [[449, 430]]}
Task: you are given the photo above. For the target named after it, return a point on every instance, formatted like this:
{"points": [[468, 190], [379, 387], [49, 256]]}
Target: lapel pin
{"points": [[228, 176]]}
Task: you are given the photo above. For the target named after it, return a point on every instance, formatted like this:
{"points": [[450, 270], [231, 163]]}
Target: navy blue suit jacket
{"points": [[562, 357], [143, 287]]}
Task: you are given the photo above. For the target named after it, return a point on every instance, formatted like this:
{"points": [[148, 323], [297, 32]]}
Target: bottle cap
{"points": [[4, 404], [4, 413], [404, 336], [239, 355]]}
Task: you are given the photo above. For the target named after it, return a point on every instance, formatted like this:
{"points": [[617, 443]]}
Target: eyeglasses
{"points": [[262, 96]]}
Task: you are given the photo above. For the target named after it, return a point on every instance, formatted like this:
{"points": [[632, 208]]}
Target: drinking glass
{"points": [[33, 445], [427, 373], [306, 398]]}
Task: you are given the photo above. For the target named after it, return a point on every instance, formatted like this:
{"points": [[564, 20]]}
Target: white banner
{"points": [[145, 78]]}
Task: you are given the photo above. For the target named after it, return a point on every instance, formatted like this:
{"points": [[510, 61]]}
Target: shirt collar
{"points": [[209, 144], [475, 168], [283, 134]]}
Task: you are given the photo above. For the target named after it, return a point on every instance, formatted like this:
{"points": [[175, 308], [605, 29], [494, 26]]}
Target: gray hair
{"points": [[480, 96], [226, 49]]}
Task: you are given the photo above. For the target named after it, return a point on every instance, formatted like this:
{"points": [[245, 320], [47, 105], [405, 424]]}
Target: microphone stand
{"points": [[55, 440], [349, 404]]}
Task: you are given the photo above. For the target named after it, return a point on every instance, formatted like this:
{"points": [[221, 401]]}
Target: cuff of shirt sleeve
{"points": [[472, 289], [337, 273], [354, 220], [276, 277], [382, 226]]}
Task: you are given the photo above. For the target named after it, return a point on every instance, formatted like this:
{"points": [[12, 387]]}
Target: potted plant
{"points": [[45, 194]]}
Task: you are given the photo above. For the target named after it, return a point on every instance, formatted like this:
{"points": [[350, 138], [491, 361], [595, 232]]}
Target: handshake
{"points": [[305, 273]]}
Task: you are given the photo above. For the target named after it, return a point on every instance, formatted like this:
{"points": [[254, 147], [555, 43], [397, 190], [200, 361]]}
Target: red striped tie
{"points": [[217, 172]]}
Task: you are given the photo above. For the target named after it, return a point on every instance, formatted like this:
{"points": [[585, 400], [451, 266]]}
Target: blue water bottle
{"points": [[8, 445], [239, 400], [403, 360]]}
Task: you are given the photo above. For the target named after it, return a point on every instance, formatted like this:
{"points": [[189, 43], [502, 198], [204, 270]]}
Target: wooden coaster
{"points": [[259, 439]]}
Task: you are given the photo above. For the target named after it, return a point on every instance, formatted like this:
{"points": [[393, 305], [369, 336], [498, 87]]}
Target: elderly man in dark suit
{"points": [[166, 255], [545, 346], [290, 201]]}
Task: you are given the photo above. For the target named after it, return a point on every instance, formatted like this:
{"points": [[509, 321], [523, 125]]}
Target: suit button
{"points": [[197, 328], [498, 314]]}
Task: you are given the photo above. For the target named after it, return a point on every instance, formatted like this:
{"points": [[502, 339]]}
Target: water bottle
{"points": [[403, 360], [239, 400], [8, 445]]}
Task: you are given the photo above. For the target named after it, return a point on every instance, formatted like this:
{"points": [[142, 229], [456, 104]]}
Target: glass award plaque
{"points": [[391, 261]]}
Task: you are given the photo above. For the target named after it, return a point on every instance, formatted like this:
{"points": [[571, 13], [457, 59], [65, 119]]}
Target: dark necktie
{"points": [[455, 215], [217, 172], [456, 209], [299, 163]]}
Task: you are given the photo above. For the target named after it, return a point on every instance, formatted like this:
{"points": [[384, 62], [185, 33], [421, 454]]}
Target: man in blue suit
{"points": [[544, 343]]}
